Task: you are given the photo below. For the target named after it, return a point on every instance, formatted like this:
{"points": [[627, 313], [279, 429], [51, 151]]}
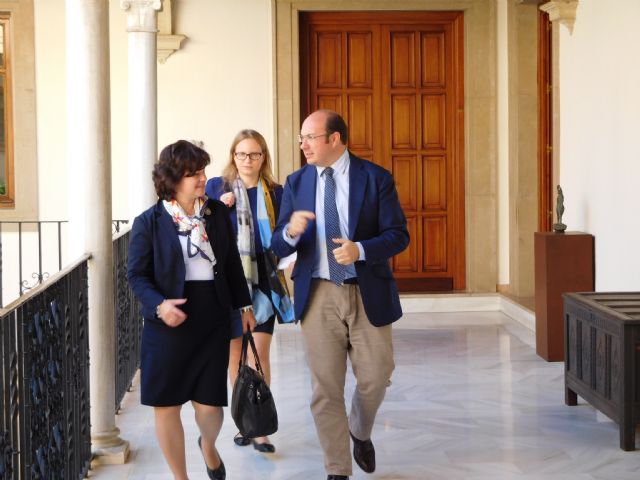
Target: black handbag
{"points": [[252, 406]]}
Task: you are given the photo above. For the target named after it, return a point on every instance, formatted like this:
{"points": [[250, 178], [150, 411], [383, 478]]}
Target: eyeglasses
{"points": [[253, 156], [308, 138]]}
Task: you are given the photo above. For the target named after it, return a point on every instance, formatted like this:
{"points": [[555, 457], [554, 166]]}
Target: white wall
{"points": [[599, 136], [217, 84]]}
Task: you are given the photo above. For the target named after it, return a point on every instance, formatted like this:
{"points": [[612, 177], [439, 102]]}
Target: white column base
{"points": [[116, 455], [108, 448]]}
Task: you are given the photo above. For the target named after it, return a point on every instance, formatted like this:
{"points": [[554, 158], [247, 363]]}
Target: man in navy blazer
{"points": [[342, 216]]}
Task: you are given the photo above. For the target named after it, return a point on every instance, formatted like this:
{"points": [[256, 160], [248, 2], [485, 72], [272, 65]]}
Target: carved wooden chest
{"points": [[602, 356]]}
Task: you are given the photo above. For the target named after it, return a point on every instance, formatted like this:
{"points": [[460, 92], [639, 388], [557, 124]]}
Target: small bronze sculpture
{"points": [[559, 227]]}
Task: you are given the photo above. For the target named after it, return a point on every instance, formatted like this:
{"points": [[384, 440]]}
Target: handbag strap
{"points": [[247, 339]]}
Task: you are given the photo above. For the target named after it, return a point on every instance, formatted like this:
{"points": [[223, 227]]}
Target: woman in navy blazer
{"points": [[185, 269], [248, 165]]}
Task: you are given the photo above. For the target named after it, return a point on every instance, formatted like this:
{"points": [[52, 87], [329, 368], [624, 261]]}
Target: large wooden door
{"points": [[396, 78]]}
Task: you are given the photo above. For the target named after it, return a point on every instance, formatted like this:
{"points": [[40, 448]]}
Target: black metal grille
{"points": [[47, 232], [128, 320], [44, 355]]}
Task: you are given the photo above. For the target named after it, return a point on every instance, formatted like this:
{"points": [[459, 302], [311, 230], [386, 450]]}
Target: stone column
{"points": [[142, 28], [89, 158]]}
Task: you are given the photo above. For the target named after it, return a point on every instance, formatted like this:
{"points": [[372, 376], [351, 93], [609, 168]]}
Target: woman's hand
{"points": [[169, 312], [248, 321], [229, 199]]}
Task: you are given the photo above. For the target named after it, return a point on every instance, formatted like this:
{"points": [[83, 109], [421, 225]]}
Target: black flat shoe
{"points": [[337, 477], [241, 440], [216, 474], [265, 447], [364, 454]]}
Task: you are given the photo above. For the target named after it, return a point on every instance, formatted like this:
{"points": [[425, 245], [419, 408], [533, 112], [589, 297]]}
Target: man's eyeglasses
{"points": [[308, 138], [253, 156]]}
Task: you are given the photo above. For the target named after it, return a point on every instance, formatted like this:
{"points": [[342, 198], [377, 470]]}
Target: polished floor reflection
{"points": [[470, 399]]}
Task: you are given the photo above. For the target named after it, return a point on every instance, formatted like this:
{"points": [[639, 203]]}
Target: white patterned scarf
{"points": [[246, 235], [192, 227]]}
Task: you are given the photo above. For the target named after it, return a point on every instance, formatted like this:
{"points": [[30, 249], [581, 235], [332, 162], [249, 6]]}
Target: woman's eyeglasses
{"points": [[242, 156]]}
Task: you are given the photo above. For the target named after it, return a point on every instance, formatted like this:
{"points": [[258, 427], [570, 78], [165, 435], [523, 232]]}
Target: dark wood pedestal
{"points": [[564, 262], [603, 356]]}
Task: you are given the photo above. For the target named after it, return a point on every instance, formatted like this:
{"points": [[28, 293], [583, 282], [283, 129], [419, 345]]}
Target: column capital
{"points": [[142, 15], [563, 11]]}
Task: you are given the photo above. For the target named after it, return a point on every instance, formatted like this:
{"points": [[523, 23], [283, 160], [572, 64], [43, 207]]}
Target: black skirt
{"points": [[188, 362]]}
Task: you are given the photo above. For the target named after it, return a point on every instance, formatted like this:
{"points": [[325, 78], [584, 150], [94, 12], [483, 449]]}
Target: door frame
{"points": [[545, 115], [480, 162]]}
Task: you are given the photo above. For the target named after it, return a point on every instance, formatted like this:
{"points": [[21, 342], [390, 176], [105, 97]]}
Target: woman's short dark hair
{"points": [[178, 160], [335, 123]]}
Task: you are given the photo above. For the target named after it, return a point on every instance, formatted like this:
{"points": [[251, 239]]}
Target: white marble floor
{"points": [[470, 399]]}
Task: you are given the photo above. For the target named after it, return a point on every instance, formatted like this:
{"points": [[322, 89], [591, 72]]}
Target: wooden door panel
{"points": [[402, 59], [407, 261], [434, 244], [432, 58], [359, 53], [330, 102], [404, 173], [360, 116], [397, 79], [329, 67], [403, 122], [434, 183], [434, 121]]}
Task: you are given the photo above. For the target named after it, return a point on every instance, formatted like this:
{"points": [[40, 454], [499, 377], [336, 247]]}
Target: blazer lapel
{"points": [[307, 199], [167, 227], [209, 212], [357, 187]]}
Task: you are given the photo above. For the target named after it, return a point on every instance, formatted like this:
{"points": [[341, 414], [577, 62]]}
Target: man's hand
{"points": [[299, 222], [248, 321], [229, 199], [347, 253], [169, 312]]}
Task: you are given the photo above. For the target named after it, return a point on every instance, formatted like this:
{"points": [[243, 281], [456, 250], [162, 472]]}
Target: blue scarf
{"points": [[279, 298]]}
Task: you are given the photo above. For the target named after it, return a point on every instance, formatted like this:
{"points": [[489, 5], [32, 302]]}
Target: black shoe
{"points": [[364, 454], [265, 447], [241, 440], [337, 477], [217, 474]]}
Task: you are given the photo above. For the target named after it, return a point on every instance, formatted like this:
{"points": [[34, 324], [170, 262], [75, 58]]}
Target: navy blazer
{"points": [[376, 220], [216, 187], [156, 269]]}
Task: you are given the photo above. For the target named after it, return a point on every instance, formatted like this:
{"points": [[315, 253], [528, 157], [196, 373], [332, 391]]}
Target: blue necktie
{"points": [[332, 226]]}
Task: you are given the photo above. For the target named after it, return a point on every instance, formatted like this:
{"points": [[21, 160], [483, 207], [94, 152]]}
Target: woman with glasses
{"points": [[185, 270], [248, 188]]}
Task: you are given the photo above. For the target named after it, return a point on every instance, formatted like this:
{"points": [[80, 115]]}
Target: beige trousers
{"points": [[335, 326]]}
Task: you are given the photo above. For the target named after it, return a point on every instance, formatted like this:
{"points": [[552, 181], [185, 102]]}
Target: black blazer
{"points": [[156, 269]]}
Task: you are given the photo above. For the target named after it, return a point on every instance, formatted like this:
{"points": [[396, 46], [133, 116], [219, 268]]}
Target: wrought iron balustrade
{"points": [[128, 320], [46, 252], [44, 368]]}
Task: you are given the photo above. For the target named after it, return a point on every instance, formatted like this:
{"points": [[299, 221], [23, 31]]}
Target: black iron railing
{"points": [[44, 368], [45, 249], [128, 320]]}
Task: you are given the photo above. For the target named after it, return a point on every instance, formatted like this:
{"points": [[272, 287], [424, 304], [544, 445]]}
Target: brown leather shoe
{"points": [[364, 454]]}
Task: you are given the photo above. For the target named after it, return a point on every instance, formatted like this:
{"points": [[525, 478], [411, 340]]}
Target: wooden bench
{"points": [[602, 356]]}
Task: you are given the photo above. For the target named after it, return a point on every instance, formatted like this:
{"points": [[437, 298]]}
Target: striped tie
{"points": [[332, 226]]}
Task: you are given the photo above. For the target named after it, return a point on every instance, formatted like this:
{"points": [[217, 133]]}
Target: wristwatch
{"points": [[158, 309], [248, 308]]}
